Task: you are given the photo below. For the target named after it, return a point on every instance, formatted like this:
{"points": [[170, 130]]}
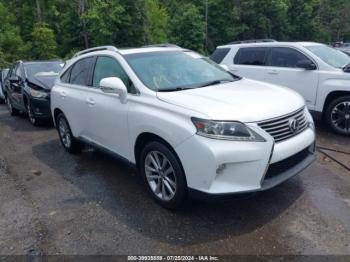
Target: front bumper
{"points": [[216, 167], [41, 107]]}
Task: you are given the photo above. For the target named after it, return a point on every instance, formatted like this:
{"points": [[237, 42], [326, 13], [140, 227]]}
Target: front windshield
{"points": [[43, 68], [174, 70], [330, 55]]}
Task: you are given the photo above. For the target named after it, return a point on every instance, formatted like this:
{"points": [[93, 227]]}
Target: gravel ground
{"points": [[56, 203]]}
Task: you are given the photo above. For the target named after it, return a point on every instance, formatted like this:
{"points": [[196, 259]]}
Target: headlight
{"points": [[226, 130], [37, 93]]}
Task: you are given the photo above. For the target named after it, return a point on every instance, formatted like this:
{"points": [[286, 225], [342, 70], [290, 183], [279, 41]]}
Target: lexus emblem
{"points": [[293, 125]]}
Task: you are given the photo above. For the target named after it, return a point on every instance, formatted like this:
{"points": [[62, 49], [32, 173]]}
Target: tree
{"points": [[304, 22], [104, 21], [187, 27], [12, 46], [43, 42], [264, 19], [156, 24]]}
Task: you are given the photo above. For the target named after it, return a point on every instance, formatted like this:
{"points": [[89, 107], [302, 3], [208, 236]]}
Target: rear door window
{"points": [[285, 57], [80, 72], [219, 54], [251, 56]]}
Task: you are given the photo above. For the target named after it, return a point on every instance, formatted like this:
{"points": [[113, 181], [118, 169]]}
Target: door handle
{"points": [[273, 72], [90, 101], [63, 94]]}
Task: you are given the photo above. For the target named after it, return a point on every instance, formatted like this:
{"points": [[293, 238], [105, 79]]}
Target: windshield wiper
{"points": [[173, 89]]}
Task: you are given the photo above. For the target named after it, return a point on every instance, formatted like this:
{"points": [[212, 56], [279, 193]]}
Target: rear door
{"points": [[72, 93], [283, 70], [108, 123], [250, 62]]}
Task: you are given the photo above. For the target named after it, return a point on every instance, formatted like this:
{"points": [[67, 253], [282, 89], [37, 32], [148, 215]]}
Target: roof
{"points": [[147, 50], [263, 44], [127, 51]]}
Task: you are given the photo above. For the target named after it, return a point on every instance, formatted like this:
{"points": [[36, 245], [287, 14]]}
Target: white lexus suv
{"points": [[188, 125], [319, 73]]}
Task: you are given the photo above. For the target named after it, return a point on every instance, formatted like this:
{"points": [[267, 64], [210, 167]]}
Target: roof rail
{"points": [[252, 41], [94, 49], [162, 45]]}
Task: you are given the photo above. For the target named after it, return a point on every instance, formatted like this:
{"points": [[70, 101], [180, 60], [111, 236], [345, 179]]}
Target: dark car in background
{"points": [[28, 86], [3, 74]]}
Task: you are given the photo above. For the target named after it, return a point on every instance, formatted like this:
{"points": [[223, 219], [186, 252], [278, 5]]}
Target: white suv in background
{"points": [[188, 125], [319, 73]]}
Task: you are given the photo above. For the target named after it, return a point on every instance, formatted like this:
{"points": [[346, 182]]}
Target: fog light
{"points": [[220, 168]]}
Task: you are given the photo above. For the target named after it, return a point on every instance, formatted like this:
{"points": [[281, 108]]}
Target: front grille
{"points": [[282, 166], [280, 128]]}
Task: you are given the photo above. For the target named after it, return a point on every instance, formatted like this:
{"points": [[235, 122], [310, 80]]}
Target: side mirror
{"points": [[114, 85], [307, 65], [225, 67], [14, 79]]}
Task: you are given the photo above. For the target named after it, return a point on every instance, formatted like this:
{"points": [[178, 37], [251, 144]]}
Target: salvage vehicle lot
{"points": [[56, 203]]}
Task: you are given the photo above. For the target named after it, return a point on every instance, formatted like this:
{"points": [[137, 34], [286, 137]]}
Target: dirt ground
{"points": [[55, 203]]}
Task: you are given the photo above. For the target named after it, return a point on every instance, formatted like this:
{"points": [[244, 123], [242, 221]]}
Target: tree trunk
{"points": [[82, 5], [39, 12]]}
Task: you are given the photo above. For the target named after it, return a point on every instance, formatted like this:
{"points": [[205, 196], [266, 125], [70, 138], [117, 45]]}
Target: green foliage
{"points": [[187, 28], [104, 20], [43, 42], [156, 22], [55, 28], [11, 45]]}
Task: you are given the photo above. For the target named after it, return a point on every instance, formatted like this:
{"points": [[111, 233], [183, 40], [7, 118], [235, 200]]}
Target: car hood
{"points": [[244, 100], [45, 81]]}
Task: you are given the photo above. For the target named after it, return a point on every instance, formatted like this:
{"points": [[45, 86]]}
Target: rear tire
{"points": [[68, 141], [338, 115], [163, 175]]}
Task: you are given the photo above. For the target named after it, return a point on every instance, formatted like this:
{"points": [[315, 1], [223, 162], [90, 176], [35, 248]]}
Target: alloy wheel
{"points": [[160, 175], [64, 131], [340, 116]]}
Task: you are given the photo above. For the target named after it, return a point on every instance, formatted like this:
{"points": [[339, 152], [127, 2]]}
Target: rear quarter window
{"points": [[80, 72], [251, 56], [219, 54]]}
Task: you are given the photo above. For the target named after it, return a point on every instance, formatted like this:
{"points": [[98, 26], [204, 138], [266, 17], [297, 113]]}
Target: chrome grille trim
{"points": [[279, 128]]}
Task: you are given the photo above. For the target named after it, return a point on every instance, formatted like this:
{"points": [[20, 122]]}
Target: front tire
{"points": [[33, 120], [68, 141], [338, 115], [13, 111], [163, 175]]}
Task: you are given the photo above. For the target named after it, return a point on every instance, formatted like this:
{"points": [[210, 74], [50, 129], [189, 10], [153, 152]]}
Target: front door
{"points": [[108, 117], [283, 70]]}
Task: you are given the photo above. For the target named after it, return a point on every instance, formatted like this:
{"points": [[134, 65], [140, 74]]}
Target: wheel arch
{"points": [[331, 96], [56, 112], [146, 137]]}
